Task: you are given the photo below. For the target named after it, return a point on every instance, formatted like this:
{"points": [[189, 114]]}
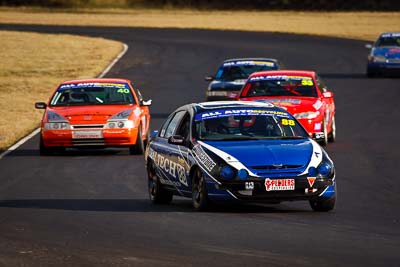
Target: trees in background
{"points": [[329, 5]]}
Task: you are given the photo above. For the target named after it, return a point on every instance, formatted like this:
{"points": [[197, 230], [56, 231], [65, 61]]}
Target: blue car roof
{"points": [[251, 58], [207, 106], [390, 34]]}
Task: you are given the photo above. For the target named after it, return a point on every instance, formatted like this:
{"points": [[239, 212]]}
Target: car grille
{"points": [[88, 126], [278, 170], [88, 142], [276, 167], [393, 60]]}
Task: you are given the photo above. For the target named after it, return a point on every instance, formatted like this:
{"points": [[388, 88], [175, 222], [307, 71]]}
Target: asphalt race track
{"points": [[90, 208]]}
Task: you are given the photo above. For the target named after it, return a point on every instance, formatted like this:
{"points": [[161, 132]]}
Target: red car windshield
{"points": [[280, 86], [81, 94]]}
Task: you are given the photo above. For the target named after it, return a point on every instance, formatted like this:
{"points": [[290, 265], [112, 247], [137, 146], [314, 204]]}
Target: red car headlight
{"points": [[307, 115], [120, 120], [56, 122]]}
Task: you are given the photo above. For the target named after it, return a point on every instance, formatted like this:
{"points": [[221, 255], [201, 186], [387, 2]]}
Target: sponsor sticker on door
{"points": [[279, 184]]}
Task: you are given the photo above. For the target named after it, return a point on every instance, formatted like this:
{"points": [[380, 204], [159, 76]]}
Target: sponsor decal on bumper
{"points": [[87, 134], [311, 181], [279, 184]]}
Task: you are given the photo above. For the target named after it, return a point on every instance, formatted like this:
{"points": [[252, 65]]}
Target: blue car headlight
{"points": [[312, 172], [379, 59], [227, 172], [243, 174], [324, 168]]}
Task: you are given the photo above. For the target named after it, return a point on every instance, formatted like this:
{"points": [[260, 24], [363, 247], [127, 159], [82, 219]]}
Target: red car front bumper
{"points": [[98, 137]]}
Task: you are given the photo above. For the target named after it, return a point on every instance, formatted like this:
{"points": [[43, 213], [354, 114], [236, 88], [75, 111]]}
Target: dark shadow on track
{"points": [[355, 76], [138, 205], [344, 75], [159, 115]]}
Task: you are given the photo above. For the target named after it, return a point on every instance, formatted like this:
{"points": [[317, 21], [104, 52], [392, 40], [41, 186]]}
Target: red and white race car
{"points": [[301, 93]]}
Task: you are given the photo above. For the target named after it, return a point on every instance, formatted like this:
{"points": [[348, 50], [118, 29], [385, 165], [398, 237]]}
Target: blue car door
{"points": [[179, 155], [164, 153]]}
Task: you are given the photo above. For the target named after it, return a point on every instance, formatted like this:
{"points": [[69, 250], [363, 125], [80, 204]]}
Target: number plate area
{"points": [[279, 184], [87, 135]]}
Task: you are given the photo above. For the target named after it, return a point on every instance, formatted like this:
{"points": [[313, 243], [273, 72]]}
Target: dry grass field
{"points": [[356, 25], [33, 65]]}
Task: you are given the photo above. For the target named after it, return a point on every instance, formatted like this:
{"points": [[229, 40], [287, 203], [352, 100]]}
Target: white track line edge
{"points": [[35, 132]]}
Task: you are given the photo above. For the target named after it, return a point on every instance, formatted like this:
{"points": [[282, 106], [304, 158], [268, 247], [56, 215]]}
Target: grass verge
{"points": [[355, 25], [33, 65]]}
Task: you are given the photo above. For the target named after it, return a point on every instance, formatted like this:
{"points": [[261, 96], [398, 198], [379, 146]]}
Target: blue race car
{"points": [[237, 151], [385, 55], [232, 75]]}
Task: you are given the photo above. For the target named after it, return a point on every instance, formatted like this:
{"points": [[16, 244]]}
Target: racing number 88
{"points": [[287, 122]]}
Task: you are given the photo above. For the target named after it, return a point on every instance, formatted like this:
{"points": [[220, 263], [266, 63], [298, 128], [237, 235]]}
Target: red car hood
{"points": [[89, 114], [292, 104]]}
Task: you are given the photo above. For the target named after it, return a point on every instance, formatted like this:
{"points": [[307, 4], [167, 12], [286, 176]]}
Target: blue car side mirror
{"points": [[153, 134]]}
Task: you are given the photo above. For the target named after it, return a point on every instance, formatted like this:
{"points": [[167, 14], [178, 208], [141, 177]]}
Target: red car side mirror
{"points": [[327, 94]]}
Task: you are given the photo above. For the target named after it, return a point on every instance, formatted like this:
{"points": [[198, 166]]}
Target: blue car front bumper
{"points": [[383, 68], [236, 190]]}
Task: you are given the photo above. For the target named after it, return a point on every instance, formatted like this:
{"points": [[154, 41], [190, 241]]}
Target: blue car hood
{"points": [[256, 153], [388, 51]]}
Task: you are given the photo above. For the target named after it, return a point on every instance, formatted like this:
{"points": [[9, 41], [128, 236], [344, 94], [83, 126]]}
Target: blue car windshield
{"points": [[81, 94], [246, 124], [388, 41], [241, 70]]}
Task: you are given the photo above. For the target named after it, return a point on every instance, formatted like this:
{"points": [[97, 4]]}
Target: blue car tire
{"points": [[323, 204], [199, 191], [157, 194]]}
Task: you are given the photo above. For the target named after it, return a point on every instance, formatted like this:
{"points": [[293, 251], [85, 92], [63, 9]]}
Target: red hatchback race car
{"points": [[301, 93], [94, 112]]}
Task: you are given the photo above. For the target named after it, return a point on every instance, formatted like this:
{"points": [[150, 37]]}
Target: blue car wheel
{"points": [[199, 191], [323, 204], [157, 194]]}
